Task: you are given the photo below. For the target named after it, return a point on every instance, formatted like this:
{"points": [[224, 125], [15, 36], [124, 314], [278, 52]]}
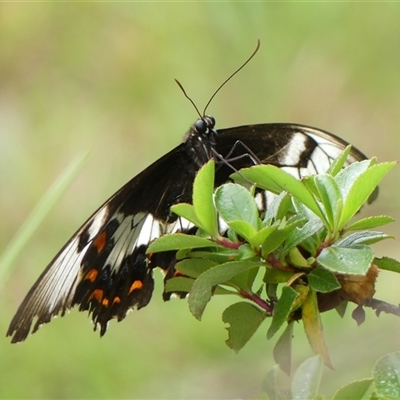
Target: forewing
{"points": [[298, 149]]}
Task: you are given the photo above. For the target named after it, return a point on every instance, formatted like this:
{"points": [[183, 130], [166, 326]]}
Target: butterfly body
{"points": [[104, 267]]}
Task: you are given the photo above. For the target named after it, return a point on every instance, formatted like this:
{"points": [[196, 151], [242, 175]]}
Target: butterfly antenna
{"points": [[186, 95], [231, 76]]}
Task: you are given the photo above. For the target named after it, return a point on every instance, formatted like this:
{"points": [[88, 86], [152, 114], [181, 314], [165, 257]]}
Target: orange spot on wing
{"points": [[96, 294], [116, 300], [92, 275], [105, 302], [100, 242], [135, 286]]}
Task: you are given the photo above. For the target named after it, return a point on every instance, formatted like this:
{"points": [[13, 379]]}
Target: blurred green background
{"points": [[100, 77]]}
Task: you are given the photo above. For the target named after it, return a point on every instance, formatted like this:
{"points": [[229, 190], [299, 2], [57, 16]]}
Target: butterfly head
{"points": [[205, 127]]}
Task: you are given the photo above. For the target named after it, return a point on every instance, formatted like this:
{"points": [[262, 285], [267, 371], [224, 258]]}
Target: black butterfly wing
{"points": [[300, 150], [103, 268]]}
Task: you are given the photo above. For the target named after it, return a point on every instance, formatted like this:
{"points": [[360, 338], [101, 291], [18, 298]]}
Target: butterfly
{"points": [[104, 268]]}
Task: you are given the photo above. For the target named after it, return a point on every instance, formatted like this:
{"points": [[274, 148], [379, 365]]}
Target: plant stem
{"points": [[258, 300]]}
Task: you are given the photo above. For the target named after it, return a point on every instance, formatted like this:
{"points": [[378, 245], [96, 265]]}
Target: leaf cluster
{"points": [[305, 383], [290, 248]]}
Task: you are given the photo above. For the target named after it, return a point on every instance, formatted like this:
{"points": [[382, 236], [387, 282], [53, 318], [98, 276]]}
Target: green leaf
{"points": [[188, 212], [341, 308], [244, 319], [276, 180], [182, 253], [303, 293], [235, 203], [347, 176], [354, 260], [388, 264], [282, 310], [361, 189], [331, 198], [178, 241], [178, 284], [309, 183], [356, 390], [258, 175], [313, 243], [219, 290], [297, 259], [307, 378], [338, 164], [276, 238], [364, 237], [218, 254], [243, 228], [273, 275], [374, 396], [271, 385], [283, 349], [271, 290], [300, 235], [244, 280], [193, 267], [313, 326], [386, 376], [370, 222], [203, 203], [310, 234], [259, 237], [278, 208], [273, 241], [203, 286], [322, 280], [246, 252]]}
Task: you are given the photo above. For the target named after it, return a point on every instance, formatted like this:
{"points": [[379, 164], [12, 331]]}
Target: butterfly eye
{"points": [[201, 126], [204, 124], [210, 120]]}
